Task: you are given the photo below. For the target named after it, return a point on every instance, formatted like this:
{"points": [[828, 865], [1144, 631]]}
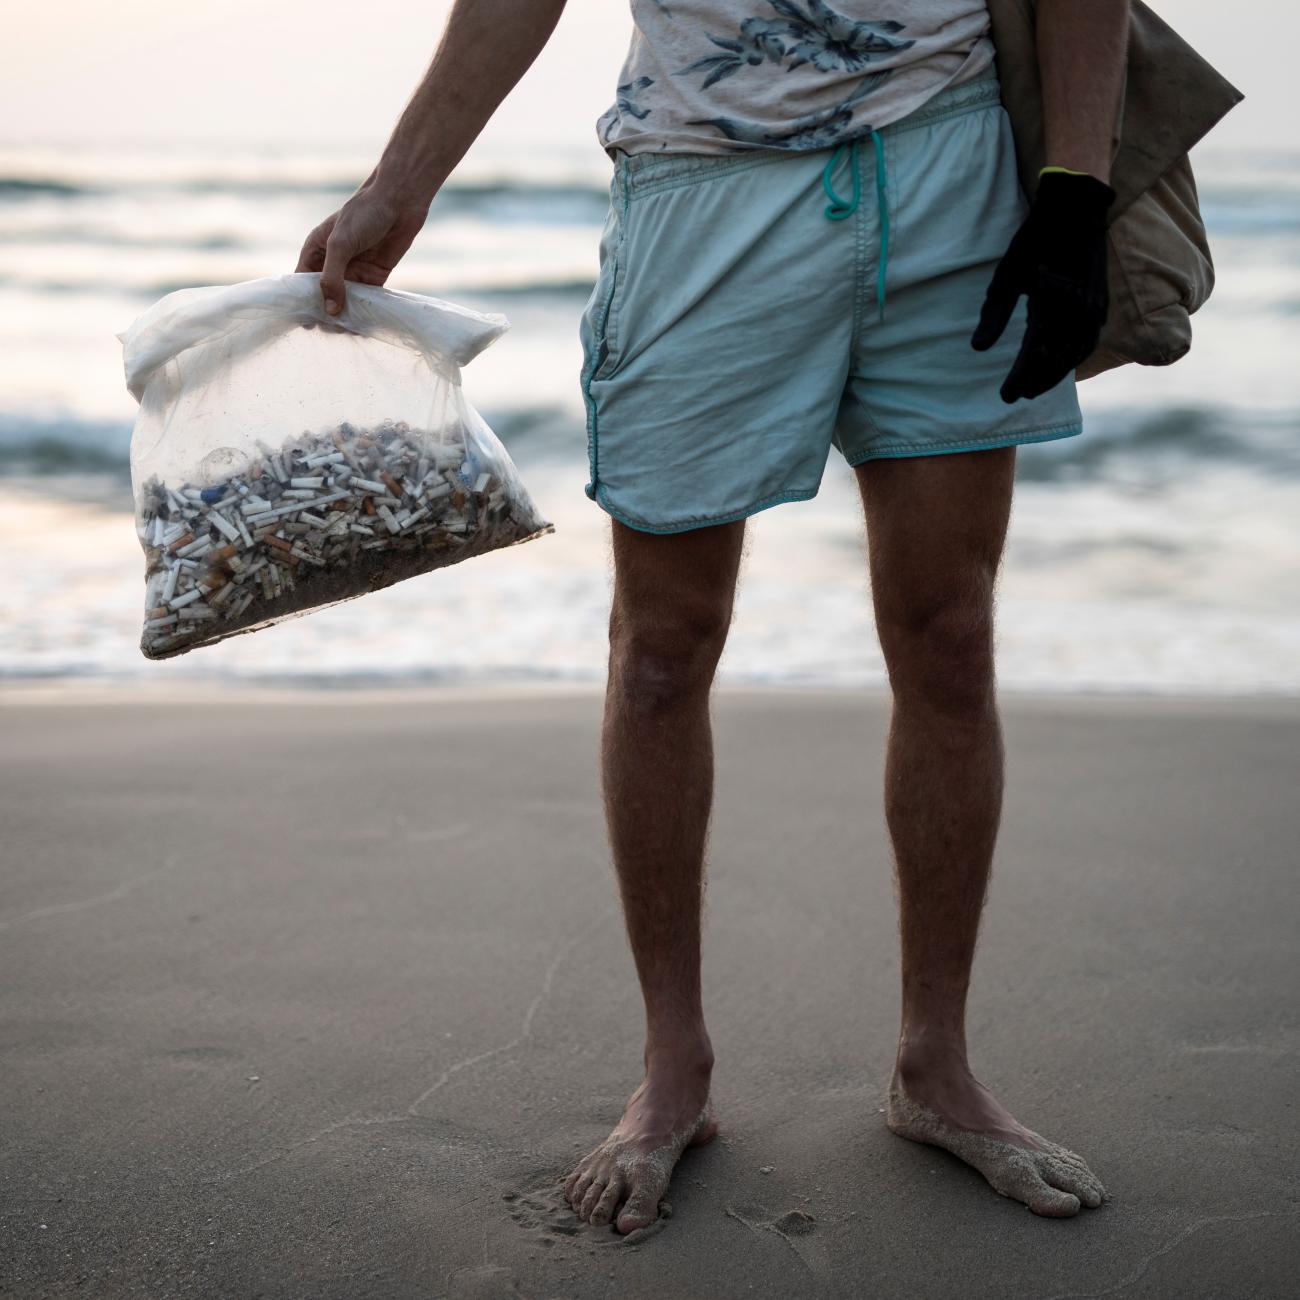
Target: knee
{"points": [[940, 654], [662, 657]]}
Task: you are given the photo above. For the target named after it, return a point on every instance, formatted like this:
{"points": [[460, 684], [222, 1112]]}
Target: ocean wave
{"points": [[1148, 448], [1154, 446], [573, 291], [20, 187], [481, 196], [44, 446], [88, 236]]}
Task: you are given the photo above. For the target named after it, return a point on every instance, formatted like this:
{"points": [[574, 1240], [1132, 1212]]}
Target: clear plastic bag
{"points": [[284, 460]]}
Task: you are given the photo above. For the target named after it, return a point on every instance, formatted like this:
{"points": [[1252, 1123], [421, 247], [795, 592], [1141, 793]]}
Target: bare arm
{"points": [[1081, 50], [486, 47]]}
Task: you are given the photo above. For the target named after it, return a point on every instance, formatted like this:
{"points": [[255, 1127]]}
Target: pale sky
{"points": [[83, 71]]}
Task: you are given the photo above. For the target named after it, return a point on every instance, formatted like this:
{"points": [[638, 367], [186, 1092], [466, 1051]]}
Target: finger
{"points": [[1038, 366], [312, 257], [338, 253], [999, 302]]}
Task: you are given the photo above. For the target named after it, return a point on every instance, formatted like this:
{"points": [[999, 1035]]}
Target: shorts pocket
{"points": [[600, 317]]}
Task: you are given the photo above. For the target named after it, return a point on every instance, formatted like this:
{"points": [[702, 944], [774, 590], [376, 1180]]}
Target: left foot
{"points": [[946, 1106]]}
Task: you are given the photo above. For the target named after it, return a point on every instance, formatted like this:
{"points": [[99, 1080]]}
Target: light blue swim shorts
{"points": [[752, 309]]}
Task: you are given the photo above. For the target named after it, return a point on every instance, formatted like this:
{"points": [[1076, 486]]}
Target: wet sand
{"points": [[322, 996]]}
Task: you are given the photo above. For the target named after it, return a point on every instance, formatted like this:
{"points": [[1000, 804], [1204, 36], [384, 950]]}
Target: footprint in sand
{"points": [[546, 1216], [797, 1228], [486, 1282]]}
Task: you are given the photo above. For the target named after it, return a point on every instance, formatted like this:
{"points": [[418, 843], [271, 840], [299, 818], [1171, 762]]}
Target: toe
{"points": [[1069, 1178], [572, 1181], [591, 1198], [1021, 1181], [642, 1208], [1051, 1202], [608, 1203], [579, 1191]]}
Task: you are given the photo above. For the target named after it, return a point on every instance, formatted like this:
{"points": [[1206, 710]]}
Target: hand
{"points": [[364, 240], [1057, 258]]}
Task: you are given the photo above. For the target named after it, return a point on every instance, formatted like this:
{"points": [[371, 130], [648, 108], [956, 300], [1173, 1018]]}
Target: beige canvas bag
{"points": [[1160, 270]]}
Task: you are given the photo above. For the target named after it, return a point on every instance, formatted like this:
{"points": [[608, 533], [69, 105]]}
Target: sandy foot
{"points": [[1050, 1179], [632, 1168]]}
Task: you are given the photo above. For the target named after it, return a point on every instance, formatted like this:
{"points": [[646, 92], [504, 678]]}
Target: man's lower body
{"points": [[742, 325]]}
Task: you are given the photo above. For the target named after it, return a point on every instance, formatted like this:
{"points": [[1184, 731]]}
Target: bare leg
{"points": [[936, 527], [671, 610]]}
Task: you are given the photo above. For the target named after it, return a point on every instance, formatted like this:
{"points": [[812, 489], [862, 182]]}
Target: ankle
{"points": [[690, 1057], [926, 1052]]}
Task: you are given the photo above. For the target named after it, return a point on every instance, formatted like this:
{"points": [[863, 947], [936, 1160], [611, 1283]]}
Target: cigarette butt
{"points": [[392, 484], [198, 546], [482, 482], [368, 505], [224, 526], [223, 554], [183, 540], [278, 542]]}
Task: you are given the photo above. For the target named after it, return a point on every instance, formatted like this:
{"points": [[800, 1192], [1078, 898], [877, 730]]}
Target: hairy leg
{"points": [[672, 606], [936, 526]]}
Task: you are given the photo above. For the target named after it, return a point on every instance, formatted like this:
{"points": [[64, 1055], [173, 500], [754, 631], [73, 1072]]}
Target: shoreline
{"points": [[37, 693]]}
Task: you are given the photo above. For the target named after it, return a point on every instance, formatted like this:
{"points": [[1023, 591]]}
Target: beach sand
{"points": [[312, 995]]}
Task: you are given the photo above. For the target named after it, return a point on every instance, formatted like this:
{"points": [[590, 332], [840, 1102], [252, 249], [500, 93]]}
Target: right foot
{"points": [[631, 1168]]}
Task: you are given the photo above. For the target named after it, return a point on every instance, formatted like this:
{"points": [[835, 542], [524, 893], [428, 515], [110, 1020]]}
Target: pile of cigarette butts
{"points": [[319, 520]]}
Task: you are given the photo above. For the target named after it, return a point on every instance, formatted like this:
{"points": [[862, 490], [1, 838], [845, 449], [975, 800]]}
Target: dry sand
{"points": [[309, 996]]}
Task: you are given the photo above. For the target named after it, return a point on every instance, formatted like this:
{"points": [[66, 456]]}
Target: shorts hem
{"points": [[1045, 434], [601, 498]]}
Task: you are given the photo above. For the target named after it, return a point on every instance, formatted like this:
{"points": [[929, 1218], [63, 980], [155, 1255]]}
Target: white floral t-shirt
{"points": [[720, 76]]}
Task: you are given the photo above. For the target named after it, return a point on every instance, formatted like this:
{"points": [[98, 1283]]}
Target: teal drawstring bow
{"points": [[838, 208]]}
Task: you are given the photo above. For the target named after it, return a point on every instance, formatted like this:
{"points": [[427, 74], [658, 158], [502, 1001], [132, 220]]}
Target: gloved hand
{"points": [[1057, 258]]}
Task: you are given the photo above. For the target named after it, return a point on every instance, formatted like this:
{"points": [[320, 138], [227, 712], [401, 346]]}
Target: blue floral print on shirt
{"points": [[816, 35]]}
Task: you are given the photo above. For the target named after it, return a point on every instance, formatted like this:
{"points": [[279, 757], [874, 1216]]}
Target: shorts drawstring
{"points": [[838, 208]]}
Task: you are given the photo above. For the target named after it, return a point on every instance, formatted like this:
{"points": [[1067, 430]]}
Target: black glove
{"points": [[1058, 258]]}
